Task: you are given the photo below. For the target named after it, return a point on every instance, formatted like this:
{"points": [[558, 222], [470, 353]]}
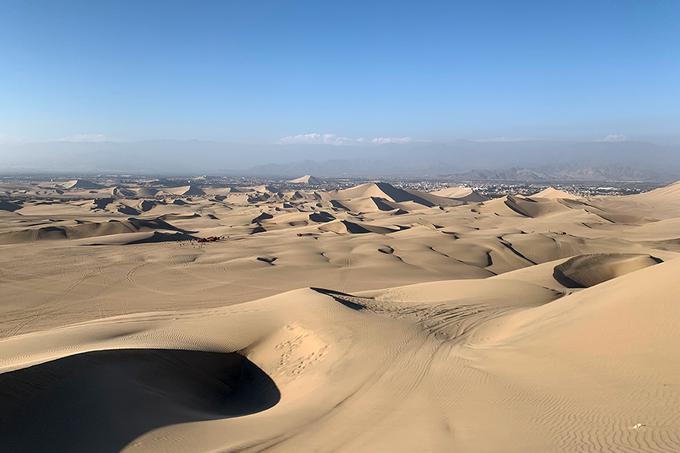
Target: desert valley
{"points": [[153, 315]]}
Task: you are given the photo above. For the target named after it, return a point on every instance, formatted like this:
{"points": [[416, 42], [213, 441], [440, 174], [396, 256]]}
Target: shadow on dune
{"points": [[401, 195], [584, 271], [103, 400], [563, 280], [343, 298]]}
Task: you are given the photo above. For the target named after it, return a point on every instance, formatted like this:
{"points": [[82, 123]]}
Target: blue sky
{"points": [[257, 71]]}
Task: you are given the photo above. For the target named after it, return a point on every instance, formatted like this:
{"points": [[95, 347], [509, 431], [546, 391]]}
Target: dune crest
{"points": [[460, 193], [81, 184], [306, 179]]}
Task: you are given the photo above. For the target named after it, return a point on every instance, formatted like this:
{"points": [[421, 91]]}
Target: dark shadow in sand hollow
{"points": [[341, 297], [103, 400]]}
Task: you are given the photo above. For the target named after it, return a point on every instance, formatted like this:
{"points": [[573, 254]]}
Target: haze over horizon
{"points": [[602, 160]]}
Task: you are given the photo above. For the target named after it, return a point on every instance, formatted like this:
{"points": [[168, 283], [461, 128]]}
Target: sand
{"points": [[139, 317], [306, 179]]}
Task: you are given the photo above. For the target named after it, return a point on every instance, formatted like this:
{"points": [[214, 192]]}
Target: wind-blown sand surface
{"points": [[366, 319]]}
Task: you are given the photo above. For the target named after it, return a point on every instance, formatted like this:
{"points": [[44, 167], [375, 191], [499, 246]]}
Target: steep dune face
{"points": [[554, 205], [460, 193], [530, 207], [369, 319], [185, 191], [146, 205], [306, 179], [589, 270], [146, 192], [321, 217], [122, 192], [383, 196], [114, 396], [85, 230], [349, 227], [101, 203], [9, 206], [81, 184]]}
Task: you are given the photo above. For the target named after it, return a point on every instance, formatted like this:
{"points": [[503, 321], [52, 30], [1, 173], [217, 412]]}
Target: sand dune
{"points": [[589, 270], [122, 192], [184, 191], [378, 196], [460, 193], [553, 193], [667, 193], [321, 217], [146, 192], [391, 351], [85, 230], [306, 179], [9, 206], [81, 184], [659, 204], [530, 207], [146, 205], [101, 203], [324, 321], [347, 226]]}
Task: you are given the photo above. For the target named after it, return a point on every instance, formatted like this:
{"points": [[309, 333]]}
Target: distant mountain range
{"points": [[461, 159], [537, 174], [574, 173]]}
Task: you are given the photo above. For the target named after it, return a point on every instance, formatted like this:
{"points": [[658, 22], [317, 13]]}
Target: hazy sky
{"points": [[258, 71]]}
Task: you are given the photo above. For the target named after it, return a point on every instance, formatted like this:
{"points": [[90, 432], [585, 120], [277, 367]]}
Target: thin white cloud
{"points": [[391, 140], [614, 138], [502, 139], [84, 138], [315, 138]]}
